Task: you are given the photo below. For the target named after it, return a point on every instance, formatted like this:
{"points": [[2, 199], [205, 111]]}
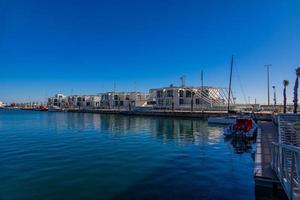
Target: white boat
{"points": [[54, 109], [222, 120]]}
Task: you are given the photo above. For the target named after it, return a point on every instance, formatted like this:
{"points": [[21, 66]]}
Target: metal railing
{"points": [[286, 155], [286, 164]]}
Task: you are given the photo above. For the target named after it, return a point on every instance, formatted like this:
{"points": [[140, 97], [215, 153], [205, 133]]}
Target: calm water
{"points": [[90, 156]]}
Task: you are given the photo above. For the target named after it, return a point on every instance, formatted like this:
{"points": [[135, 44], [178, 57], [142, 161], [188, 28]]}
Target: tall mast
{"points": [[229, 90], [201, 90]]}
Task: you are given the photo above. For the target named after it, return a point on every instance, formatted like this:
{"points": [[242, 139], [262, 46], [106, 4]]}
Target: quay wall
{"points": [[185, 114]]}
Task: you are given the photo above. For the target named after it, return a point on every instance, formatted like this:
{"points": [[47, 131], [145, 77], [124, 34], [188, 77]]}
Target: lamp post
{"points": [[268, 81]]}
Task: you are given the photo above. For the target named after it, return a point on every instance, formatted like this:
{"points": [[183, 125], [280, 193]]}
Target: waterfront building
{"points": [[1, 104], [59, 100], [84, 101], [75, 101], [123, 100], [187, 98]]}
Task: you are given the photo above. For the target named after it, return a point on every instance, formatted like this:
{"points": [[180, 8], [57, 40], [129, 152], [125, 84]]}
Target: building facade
{"points": [[189, 98], [123, 100], [75, 101]]}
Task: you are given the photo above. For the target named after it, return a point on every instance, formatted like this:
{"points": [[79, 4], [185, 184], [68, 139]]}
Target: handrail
{"points": [[288, 147], [286, 164]]}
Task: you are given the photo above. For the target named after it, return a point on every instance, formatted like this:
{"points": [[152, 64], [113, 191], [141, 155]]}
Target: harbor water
{"points": [[46, 155]]}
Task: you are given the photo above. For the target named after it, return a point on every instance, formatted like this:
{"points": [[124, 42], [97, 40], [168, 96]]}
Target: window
{"points": [[115, 97], [197, 101], [180, 101], [168, 102], [188, 94], [181, 93], [121, 103], [88, 104], [160, 102], [170, 93], [159, 94]]}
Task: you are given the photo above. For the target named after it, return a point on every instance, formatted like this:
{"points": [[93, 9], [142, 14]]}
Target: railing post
{"points": [[292, 176]]}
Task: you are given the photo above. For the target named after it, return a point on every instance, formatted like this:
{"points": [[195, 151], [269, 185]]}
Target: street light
{"points": [[268, 81]]}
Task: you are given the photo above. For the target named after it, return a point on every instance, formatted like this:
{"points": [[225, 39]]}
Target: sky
{"points": [[84, 47]]}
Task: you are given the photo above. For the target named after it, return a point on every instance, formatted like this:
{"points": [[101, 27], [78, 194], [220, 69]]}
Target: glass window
{"points": [[159, 94], [170, 93], [188, 94], [180, 101], [181, 93]]}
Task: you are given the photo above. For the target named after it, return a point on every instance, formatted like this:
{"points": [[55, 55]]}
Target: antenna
{"points": [[115, 87], [182, 78]]}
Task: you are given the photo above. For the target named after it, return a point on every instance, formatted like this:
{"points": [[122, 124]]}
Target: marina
{"points": [[149, 100], [85, 155]]}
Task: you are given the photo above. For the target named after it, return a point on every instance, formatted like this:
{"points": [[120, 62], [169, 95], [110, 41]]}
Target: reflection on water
{"points": [[91, 156], [181, 130]]}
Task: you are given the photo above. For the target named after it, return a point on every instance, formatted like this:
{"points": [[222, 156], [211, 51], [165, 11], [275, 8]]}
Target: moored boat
{"points": [[222, 120], [244, 127], [54, 109]]}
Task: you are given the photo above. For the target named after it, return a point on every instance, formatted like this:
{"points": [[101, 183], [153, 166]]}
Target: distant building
{"points": [[186, 98], [2, 104], [123, 100], [75, 101], [58, 100]]}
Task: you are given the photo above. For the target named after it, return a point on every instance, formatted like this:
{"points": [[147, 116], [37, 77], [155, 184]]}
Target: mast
{"points": [[202, 90], [230, 78]]}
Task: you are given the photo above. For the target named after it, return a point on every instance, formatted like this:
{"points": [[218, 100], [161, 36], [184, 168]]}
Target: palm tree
{"points": [[296, 90], [285, 84]]}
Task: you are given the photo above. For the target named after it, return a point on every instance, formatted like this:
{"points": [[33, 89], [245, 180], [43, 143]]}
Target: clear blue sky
{"points": [[84, 46]]}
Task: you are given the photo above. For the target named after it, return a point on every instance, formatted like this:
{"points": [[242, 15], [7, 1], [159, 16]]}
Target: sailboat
{"points": [[231, 119]]}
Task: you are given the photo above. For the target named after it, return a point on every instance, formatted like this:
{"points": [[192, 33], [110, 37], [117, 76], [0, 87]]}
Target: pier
{"points": [[277, 159], [266, 116]]}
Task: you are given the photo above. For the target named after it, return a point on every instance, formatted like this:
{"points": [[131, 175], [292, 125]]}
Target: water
{"points": [[90, 156]]}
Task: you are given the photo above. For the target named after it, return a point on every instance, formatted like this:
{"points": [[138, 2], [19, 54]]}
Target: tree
{"points": [[296, 90], [285, 84]]}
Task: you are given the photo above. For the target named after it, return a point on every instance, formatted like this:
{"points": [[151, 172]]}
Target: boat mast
{"points": [[229, 90]]}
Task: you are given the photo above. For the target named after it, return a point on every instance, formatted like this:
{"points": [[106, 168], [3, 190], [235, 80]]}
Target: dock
{"points": [[266, 116], [264, 175], [277, 163]]}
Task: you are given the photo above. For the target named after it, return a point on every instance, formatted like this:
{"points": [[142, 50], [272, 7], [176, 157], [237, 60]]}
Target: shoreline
{"points": [[262, 116]]}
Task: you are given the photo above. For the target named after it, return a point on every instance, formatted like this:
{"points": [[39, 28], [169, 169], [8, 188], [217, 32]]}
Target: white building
{"points": [[123, 100], [75, 101], [2, 104], [187, 98], [59, 100]]}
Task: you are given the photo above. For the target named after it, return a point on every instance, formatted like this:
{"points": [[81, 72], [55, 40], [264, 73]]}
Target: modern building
{"points": [[59, 100], [2, 104], [75, 101], [189, 98], [123, 100]]}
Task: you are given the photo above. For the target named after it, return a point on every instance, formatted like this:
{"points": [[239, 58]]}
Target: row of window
{"points": [[168, 102], [181, 93]]}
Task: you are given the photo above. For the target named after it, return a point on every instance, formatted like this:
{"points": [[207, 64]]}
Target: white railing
{"points": [[286, 164], [286, 155]]}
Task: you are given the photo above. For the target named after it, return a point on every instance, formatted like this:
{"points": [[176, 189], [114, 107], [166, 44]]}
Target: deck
{"points": [[263, 173]]}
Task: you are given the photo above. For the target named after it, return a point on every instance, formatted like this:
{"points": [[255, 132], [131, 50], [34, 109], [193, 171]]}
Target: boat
{"points": [[42, 108], [244, 127], [222, 120], [54, 109], [230, 119]]}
